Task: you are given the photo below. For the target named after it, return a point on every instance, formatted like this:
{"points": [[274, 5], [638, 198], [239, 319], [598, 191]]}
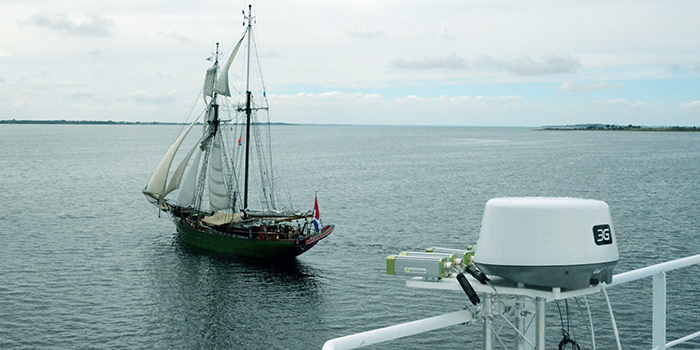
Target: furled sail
{"points": [[221, 86], [218, 192], [156, 185], [187, 190], [177, 175]]}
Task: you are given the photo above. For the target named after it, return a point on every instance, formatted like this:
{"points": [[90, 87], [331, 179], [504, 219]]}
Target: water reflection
{"points": [[207, 300]]}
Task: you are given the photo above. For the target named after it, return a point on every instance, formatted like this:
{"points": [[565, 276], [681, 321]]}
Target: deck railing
{"points": [[657, 272]]}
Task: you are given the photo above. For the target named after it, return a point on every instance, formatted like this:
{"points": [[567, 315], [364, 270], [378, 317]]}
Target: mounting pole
{"points": [[488, 322], [520, 322], [540, 322]]}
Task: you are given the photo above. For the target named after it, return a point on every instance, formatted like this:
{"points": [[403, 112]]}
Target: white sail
{"points": [[218, 192], [221, 86], [156, 185], [187, 190], [209, 82], [177, 175]]}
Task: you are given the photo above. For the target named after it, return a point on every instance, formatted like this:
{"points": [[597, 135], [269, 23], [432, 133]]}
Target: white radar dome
{"points": [[553, 242]]}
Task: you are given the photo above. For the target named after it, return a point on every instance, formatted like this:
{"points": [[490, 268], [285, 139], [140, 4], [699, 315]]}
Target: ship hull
{"points": [[268, 248]]}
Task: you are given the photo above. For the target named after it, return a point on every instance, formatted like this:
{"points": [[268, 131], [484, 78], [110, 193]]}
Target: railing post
{"points": [[540, 325], [520, 322], [658, 337], [488, 322]]}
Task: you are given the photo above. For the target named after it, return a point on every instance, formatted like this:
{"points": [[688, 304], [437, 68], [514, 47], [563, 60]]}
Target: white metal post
{"points": [[520, 322], [658, 336], [540, 319], [488, 322]]}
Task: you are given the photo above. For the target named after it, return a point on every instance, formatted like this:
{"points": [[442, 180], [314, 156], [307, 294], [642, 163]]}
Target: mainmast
{"points": [[247, 109]]}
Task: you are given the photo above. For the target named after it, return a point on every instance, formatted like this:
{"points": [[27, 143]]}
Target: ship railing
{"points": [[657, 272]]}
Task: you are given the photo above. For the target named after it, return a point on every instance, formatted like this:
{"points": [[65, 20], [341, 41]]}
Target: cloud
{"points": [[173, 35], [474, 101], [570, 86], [351, 98], [365, 34], [622, 103], [450, 62], [693, 104], [690, 67], [80, 95], [95, 25], [447, 36], [330, 98], [96, 53], [153, 98], [358, 108], [525, 66]]}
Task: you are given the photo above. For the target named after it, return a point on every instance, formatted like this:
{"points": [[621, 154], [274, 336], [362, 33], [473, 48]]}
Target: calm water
{"points": [[87, 263]]}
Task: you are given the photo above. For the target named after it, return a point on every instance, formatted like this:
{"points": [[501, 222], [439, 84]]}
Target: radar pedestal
{"points": [[522, 306]]}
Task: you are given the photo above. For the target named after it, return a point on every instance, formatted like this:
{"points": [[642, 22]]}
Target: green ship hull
{"points": [[273, 249]]}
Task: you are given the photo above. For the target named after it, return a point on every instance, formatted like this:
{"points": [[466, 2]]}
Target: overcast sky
{"points": [[472, 63]]}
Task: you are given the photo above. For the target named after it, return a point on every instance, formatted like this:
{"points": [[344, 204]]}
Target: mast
{"points": [[247, 111], [215, 121]]}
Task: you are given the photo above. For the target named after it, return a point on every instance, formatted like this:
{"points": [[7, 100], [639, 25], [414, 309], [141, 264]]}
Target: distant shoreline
{"points": [[613, 127], [575, 127], [97, 122], [84, 122]]}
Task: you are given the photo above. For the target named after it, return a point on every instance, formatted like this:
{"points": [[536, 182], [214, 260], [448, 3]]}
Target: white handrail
{"points": [[399, 331], [658, 272], [649, 271], [682, 340]]}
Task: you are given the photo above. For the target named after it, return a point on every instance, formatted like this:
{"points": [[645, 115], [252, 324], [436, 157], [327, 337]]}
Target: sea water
{"points": [[86, 262]]}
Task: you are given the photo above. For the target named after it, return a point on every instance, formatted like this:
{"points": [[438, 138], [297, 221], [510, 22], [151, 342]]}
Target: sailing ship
{"points": [[208, 194]]}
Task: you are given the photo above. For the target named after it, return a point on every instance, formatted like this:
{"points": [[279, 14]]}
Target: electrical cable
{"points": [[568, 320], [589, 327], [612, 317], [590, 319], [566, 339]]}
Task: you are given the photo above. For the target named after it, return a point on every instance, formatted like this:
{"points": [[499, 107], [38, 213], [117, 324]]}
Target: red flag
{"points": [[317, 216]]}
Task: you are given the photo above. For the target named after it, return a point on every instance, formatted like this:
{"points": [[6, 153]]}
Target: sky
{"points": [[409, 62]]}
